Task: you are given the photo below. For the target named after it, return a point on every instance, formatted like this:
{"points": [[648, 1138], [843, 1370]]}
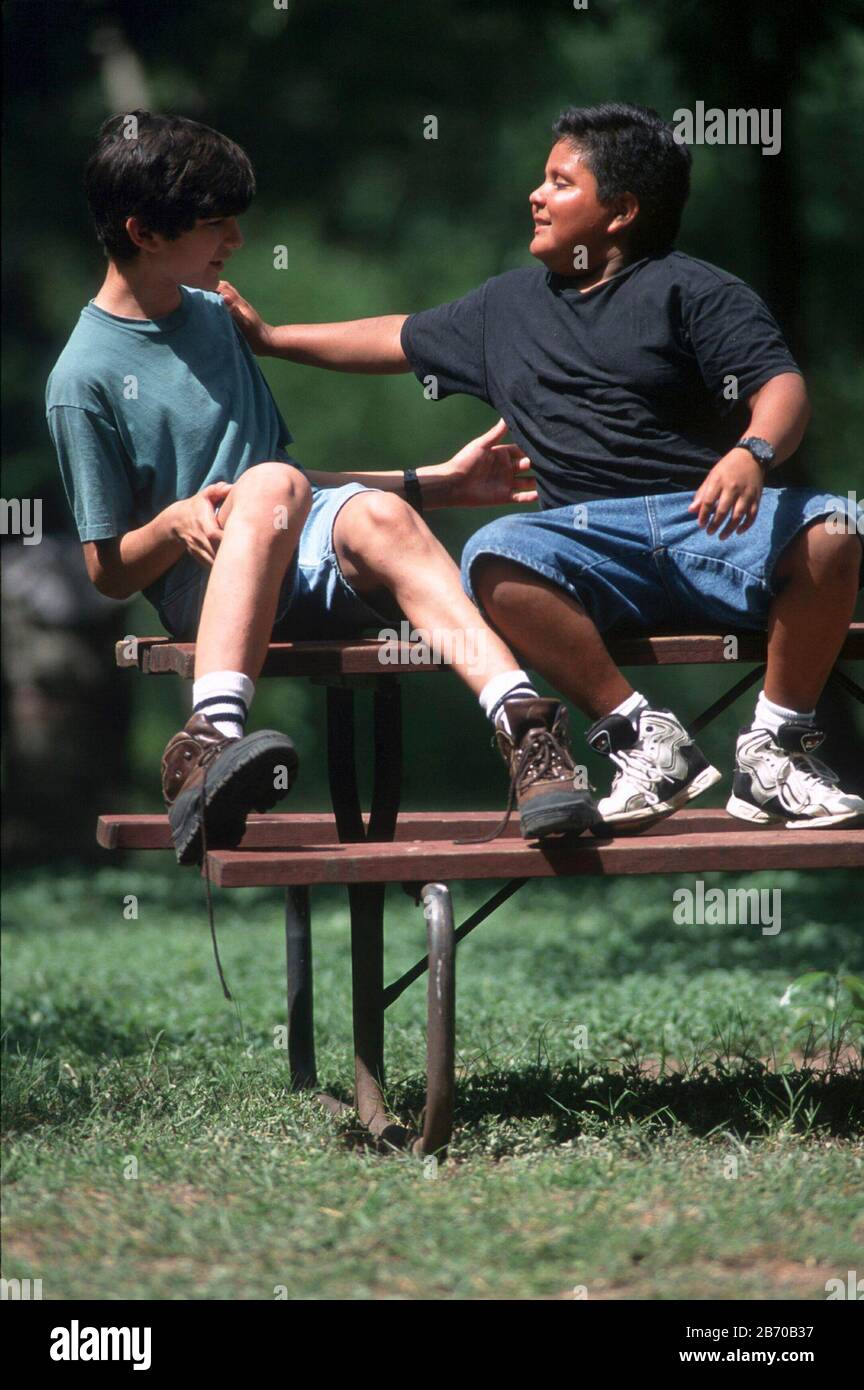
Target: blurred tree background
{"points": [[329, 97]]}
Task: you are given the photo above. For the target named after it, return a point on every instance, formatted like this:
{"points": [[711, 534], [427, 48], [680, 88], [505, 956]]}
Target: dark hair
{"points": [[165, 170], [631, 149]]}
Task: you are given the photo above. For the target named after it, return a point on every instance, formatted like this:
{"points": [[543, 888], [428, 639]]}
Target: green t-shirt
{"points": [[144, 412]]}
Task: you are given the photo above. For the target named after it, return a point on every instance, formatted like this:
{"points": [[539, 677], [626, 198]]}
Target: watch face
{"points": [[760, 449]]}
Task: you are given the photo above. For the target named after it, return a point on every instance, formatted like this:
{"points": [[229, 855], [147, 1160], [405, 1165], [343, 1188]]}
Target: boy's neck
{"points": [[616, 259], [132, 293]]}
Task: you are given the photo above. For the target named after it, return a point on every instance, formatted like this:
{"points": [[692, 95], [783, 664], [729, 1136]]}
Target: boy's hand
{"points": [[196, 524], [248, 320], [730, 493], [487, 473]]}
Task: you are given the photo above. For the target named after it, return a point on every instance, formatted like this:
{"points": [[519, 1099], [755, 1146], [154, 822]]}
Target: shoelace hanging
{"points": [[543, 751], [205, 762]]}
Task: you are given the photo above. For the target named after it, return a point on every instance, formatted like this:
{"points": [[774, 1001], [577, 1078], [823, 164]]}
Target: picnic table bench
{"points": [[422, 850]]}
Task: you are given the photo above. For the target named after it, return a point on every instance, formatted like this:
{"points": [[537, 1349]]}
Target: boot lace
{"points": [[541, 753]]}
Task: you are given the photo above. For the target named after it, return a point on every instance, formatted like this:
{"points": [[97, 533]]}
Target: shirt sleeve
{"points": [[448, 344], [93, 468], [734, 335]]}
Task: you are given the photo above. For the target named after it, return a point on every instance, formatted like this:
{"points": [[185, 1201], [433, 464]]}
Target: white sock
{"points": [[504, 687], [770, 716], [224, 698], [631, 708]]}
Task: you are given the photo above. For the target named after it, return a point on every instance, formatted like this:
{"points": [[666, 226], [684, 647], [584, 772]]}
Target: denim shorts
{"points": [[316, 601], [639, 564]]}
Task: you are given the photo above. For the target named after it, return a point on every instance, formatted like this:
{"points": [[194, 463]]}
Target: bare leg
{"points": [[552, 633], [809, 619], [254, 553], [381, 542]]}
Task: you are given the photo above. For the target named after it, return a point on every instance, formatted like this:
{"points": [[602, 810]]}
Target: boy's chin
{"points": [[206, 279], [554, 260]]}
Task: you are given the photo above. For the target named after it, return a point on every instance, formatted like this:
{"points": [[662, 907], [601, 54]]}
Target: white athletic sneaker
{"points": [[659, 769], [777, 782]]}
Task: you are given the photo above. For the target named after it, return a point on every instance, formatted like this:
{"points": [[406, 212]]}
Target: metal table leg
{"points": [[367, 900], [298, 955], [440, 1022]]}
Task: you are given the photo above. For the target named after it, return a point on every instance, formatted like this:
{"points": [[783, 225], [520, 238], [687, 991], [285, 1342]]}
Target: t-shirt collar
{"points": [[569, 285], [166, 324]]}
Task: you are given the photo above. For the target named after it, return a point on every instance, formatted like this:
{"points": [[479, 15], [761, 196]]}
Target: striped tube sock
{"points": [[224, 698], [510, 685]]}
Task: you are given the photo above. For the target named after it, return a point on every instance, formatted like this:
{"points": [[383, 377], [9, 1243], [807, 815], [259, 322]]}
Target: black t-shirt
{"points": [[625, 390]]}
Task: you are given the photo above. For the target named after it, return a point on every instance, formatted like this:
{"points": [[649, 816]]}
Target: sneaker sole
{"points": [[707, 778], [245, 783], [564, 818], [754, 815]]}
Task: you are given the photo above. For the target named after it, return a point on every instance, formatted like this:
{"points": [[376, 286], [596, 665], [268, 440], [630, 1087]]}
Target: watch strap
{"points": [[413, 491]]}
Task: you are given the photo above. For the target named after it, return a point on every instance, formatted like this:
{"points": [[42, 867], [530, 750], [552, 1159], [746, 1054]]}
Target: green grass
{"points": [[706, 1141]]}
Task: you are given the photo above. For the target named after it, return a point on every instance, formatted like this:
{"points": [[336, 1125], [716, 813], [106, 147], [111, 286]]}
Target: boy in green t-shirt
{"points": [[174, 458]]}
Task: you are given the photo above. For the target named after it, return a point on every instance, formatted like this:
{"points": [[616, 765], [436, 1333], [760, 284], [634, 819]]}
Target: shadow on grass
{"points": [[749, 1101]]}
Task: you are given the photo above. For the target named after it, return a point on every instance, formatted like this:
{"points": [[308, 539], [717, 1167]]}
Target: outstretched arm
{"points": [[484, 473], [359, 345]]}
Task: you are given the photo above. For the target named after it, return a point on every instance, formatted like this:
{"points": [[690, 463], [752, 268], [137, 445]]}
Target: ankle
{"points": [[631, 708], [224, 697], [769, 715]]}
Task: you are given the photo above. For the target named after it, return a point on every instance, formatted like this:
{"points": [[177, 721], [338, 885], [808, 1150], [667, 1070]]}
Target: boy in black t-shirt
{"points": [[653, 393]]}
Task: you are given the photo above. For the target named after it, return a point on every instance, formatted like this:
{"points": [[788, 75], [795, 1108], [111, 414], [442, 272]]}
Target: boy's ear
{"points": [[624, 211], [140, 236]]}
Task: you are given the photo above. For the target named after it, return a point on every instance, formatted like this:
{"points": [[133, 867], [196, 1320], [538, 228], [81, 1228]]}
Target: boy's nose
{"points": [[235, 236]]}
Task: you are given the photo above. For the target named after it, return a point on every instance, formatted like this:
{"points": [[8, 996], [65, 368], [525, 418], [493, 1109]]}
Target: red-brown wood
{"points": [[290, 831], [416, 861], [361, 656]]}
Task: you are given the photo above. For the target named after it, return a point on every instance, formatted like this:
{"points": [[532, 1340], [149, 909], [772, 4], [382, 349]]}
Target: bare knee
{"points": [[274, 494], [825, 556], [381, 525], [496, 581]]}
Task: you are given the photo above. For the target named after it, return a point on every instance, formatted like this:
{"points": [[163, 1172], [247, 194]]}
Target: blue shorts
{"points": [[315, 602], [643, 563]]}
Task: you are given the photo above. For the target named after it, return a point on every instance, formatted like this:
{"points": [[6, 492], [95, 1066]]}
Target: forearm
{"points": [[436, 485], [359, 345], [126, 564], [780, 414]]}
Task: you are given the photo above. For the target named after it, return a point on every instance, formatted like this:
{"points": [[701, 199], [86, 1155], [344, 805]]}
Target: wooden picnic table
{"points": [[421, 850]]}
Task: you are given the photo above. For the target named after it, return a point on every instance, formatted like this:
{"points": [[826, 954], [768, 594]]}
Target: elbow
{"points": [[110, 585], [805, 412]]}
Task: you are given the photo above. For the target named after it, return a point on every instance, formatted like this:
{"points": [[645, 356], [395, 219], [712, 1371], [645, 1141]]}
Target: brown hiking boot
{"points": [[210, 783], [543, 776]]}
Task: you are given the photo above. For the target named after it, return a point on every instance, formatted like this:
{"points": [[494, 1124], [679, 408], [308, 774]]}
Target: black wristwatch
{"points": [[761, 450], [413, 491]]}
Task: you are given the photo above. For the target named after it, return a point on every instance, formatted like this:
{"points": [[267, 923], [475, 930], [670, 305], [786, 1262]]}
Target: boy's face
{"points": [[568, 215], [196, 257]]}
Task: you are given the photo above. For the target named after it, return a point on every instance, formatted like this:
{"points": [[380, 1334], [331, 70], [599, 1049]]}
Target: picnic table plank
{"points": [[360, 656], [277, 830], [418, 860]]}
